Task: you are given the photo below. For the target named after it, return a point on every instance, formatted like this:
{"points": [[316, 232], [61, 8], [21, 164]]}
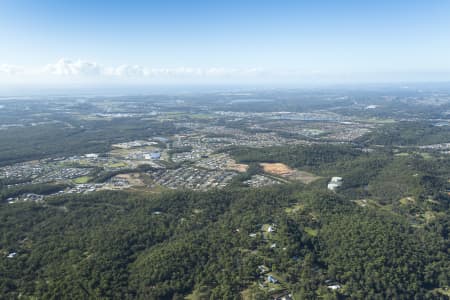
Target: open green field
{"points": [[311, 231], [200, 293], [117, 165], [82, 180]]}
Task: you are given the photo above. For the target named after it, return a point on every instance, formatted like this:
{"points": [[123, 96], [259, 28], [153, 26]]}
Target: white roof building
{"points": [[334, 287], [334, 183], [336, 179]]}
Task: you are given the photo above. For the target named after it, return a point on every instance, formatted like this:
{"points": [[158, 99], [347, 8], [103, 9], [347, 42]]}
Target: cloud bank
{"points": [[80, 70], [65, 67]]}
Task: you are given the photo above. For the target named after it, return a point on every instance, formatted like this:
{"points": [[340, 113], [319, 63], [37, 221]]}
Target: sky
{"points": [[64, 43]]}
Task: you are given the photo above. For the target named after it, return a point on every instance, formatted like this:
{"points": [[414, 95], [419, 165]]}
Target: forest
{"points": [[44, 141], [408, 134], [383, 235]]}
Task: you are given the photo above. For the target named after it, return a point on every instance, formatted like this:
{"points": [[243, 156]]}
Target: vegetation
{"points": [[383, 234], [313, 157], [41, 189], [165, 246], [408, 134], [20, 144]]}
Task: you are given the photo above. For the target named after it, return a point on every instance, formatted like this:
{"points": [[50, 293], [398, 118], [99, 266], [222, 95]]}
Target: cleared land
{"points": [[237, 167], [133, 178], [277, 169], [285, 171]]}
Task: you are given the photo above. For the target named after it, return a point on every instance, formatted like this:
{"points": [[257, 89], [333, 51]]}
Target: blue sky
{"points": [[165, 41]]}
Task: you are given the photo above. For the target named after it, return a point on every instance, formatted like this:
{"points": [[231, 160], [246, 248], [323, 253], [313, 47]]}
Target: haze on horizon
{"points": [[59, 44]]}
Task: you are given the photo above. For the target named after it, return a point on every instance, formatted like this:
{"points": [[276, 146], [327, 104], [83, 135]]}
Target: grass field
{"points": [[311, 231], [407, 201], [81, 180], [200, 293], [295, 208], [117, 165]]}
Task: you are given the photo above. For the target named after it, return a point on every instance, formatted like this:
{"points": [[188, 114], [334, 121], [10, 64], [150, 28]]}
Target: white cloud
{"points": [[127, 71], [66, 67], [79, 68], [10, 69], [74, 72], [66, 71]]}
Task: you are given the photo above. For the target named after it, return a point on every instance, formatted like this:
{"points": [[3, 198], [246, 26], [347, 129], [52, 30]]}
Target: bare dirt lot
{"points": [[277, 169], [237, 167], [133, 178], [285, 171]]}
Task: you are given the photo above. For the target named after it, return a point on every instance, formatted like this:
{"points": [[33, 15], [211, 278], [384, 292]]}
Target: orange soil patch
{"points": [[277, 169], [237, 167], [283, 170]]}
